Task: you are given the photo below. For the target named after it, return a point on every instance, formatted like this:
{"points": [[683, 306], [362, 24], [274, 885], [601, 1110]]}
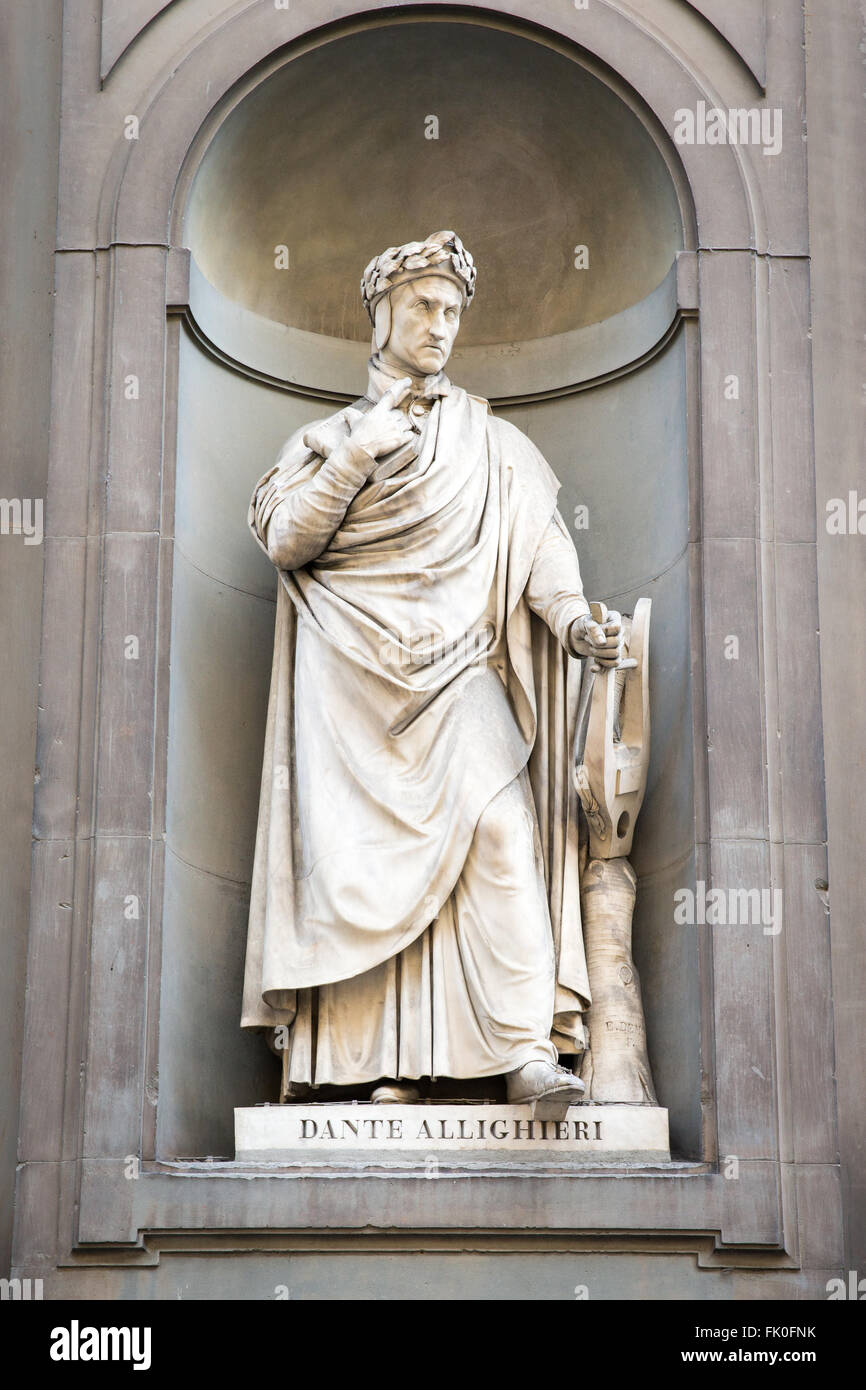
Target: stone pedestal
{"points": [[578, 1135]]}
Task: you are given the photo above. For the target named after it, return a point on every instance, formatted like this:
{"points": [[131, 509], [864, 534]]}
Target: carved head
{"points": [[415, 295]]}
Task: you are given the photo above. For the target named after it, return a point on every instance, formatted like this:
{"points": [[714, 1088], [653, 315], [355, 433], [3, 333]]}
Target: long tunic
{"points": [[412, 683]]}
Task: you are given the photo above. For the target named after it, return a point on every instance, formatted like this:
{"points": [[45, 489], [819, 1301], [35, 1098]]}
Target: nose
{"points": [[437, 328]]}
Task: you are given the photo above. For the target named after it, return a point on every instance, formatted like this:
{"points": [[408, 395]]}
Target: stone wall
{"points": [[115, 1197]]}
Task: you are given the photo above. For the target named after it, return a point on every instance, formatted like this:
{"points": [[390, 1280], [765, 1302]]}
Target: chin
{"points": [[430, 362]]}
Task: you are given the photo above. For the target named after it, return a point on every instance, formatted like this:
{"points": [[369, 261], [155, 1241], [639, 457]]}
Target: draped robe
{"points": [[412, 682]]}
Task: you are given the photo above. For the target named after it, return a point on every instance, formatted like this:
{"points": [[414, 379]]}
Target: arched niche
{"points": [[329, 156]]}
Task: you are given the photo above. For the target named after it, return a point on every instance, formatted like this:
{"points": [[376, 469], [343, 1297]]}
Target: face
{"points": [[425, 317]]}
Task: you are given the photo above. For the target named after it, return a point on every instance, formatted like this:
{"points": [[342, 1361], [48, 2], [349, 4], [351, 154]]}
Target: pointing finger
{"points": [[396, 393]]}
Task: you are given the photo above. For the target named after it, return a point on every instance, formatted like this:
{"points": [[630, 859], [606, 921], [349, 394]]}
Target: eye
{"points": [[422, 304], [450, 313]]}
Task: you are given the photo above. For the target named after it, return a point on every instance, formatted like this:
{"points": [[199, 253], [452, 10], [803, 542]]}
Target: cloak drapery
{"points": [[411, 683]]}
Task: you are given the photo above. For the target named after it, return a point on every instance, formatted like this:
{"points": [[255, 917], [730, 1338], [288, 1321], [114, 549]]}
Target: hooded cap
{"points": [[441, 254]]}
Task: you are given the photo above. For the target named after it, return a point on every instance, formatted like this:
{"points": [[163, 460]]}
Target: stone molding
{"points": [[312, 363]]}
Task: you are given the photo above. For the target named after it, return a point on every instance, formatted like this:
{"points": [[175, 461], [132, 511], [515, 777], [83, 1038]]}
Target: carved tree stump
{"points": [[610, 776], [616, 1066]]}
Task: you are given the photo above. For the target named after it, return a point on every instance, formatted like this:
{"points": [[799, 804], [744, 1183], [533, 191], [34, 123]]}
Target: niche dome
{"points": [[331, 157]]}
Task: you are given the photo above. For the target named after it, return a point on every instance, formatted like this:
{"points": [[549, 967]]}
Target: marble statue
{"points": [[611, 764], [415, 908]]}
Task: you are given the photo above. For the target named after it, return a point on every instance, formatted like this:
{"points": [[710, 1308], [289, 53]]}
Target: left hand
{"points": [[603, 642]]}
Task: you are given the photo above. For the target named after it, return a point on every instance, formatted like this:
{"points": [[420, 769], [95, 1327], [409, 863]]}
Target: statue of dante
{"points": [[415, 906]]}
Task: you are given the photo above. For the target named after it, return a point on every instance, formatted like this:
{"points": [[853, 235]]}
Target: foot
{"points": [[395, 1093], [542, 1080]]}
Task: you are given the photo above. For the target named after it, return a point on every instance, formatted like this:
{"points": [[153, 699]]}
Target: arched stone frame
{"points": [[604, 401], [108, 521]]}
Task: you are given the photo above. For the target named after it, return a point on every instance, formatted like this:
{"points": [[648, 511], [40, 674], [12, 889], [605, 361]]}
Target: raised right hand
{"points": [[384, 428]]}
